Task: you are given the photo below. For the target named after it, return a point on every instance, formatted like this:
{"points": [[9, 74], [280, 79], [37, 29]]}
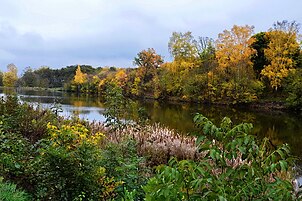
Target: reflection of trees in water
{"points": [[273, 135], [86, 101], [101, 112], [9, 91], [217, 113], [78, 103], [135, 111], [84, 111], [176, 116], [281, 128]]}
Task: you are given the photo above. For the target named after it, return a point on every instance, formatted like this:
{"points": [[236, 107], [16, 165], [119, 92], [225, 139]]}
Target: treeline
{"points": [[238, 67], [44, 77]]}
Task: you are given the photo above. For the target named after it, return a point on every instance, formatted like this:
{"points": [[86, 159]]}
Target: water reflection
{"points": [[280, 127]]}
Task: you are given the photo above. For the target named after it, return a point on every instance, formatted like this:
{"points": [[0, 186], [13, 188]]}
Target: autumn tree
{"points": [[282, 48], [10, 77], [148, 61], [233, 51], [121, 77], [79, 77], [182, 46]]}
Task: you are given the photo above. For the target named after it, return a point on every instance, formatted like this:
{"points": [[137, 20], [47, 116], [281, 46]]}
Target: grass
{"points": [[154, 141]]}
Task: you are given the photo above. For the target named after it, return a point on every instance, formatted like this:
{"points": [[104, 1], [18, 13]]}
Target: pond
{"points": [[280, 127]]}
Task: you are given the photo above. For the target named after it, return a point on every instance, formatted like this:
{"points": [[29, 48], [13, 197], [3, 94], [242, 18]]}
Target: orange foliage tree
{"points": [[148, 61]]}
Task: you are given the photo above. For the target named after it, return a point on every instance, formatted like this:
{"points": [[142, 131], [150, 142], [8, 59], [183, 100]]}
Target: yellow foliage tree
{"points": [[233, 51], [135, 87], [281, 49], [79, 77], [121, 77], [10, 77]]}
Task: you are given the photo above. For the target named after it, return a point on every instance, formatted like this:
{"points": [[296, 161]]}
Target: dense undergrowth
{"points": [[46, 157]]}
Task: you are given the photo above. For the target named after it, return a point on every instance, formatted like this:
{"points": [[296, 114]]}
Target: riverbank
{"points": [[264, 104]]}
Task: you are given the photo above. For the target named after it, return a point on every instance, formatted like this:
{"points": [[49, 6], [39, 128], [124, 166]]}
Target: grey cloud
{"points": [[100, 32], [11, 40]]}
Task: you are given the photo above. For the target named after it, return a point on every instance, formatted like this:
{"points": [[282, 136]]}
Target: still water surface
{"points": [[280, 127]]}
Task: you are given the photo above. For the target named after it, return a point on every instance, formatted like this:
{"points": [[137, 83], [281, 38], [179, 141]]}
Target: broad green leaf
{"points": [[283, 165], [200, 139], [280, 152]]}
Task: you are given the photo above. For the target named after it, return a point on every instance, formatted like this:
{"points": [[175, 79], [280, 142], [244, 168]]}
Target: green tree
{"points": [[182, 46], [116, 106], [294, 89], [206, 52], [208, 64], [1, 78], [45, 76], [258, 58], [29, 78], [10, 77]]}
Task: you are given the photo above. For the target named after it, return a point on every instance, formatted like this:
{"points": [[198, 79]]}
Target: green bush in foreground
{"points": [[68, 166], [235, 167], [30, 122], [15, 154], [122, 162], [9, 192]]}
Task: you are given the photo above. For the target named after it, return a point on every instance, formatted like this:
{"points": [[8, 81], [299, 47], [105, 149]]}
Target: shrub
{"points": [[294, 89], [68, 166], [30, 122], [9, 192], [61, 160], [243, 91], [123, 163], [15, 155], [116, 106], [236, 167]]}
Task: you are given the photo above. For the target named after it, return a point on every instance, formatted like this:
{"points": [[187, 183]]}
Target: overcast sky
{"points": [[58, 33]]}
